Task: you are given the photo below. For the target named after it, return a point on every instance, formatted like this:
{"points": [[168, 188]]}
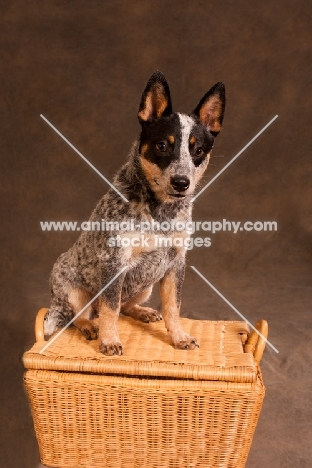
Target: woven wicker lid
{"points": [[147, 351]]}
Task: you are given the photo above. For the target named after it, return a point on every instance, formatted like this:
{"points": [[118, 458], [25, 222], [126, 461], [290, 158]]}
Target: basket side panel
{"points": [[98, 423]]}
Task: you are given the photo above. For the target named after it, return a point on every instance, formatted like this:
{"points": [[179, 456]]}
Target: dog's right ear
{"points": [[156, 101]]}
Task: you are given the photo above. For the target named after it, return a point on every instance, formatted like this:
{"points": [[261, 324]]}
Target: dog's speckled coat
{"points": [[159, 179]]}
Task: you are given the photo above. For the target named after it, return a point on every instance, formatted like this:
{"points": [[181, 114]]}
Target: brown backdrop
{"points": [[84, 66]]}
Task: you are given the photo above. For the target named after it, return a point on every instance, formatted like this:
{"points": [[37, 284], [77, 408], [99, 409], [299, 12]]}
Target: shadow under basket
{"points": [[152, 407]]}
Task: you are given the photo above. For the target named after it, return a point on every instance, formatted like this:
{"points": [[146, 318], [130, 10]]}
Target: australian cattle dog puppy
{"points": [[158, 181]]}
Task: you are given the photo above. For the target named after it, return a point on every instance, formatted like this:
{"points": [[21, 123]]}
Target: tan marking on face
{"points": [[171, 139], [210, 112], [154, 176], [192, 140], [153, 173], [151, 170], [144, 149]]}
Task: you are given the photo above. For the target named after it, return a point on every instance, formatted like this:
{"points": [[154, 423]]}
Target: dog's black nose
{"points": [[180, 183]]}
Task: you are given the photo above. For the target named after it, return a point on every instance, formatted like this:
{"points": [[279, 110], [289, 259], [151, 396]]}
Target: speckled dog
{"points": [[158, 180]]}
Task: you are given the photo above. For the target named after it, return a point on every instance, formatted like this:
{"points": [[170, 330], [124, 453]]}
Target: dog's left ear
{"points": [[210, 109], [156, 101]]}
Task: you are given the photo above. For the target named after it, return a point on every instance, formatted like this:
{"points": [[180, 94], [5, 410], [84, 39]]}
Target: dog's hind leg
{"points": [[59, 314], [133, 309], [78, 299]]}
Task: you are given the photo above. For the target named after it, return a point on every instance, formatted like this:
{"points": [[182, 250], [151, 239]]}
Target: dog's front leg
{"points": [[109, 308], [108, 331], [170, 291]]}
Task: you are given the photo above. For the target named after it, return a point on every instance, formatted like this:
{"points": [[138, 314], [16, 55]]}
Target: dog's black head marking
{"points": [[174, 145]]}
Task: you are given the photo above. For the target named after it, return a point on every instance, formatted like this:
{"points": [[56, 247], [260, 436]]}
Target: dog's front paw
{"points": [[187, 342], [110, 348]]}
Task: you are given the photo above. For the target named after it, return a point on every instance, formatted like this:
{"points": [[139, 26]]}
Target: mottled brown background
{"points": [[84, 64]]}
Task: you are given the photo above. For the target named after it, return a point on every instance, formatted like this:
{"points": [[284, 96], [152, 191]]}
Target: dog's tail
{"points": [[54, 320]]}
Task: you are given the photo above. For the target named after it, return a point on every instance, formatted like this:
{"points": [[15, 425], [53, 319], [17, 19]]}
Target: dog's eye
{"points": [[161, 146], [199, 151]]}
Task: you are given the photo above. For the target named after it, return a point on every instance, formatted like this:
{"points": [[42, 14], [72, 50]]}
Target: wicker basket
{"points": [[152, 407]]}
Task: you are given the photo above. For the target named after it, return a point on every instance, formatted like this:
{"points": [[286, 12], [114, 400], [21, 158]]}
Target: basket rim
{"points": [[221, 355], [145, 384]]}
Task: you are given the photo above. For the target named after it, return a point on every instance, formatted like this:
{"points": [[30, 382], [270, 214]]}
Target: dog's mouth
{"points": [[177, 195]]}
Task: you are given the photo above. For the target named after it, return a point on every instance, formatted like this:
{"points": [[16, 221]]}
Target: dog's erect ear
{"points": [[210, 109], [156, 100]]}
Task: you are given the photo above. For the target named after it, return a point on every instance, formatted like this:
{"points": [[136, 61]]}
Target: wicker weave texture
{"points": [[121, 422], [147, 350]]}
